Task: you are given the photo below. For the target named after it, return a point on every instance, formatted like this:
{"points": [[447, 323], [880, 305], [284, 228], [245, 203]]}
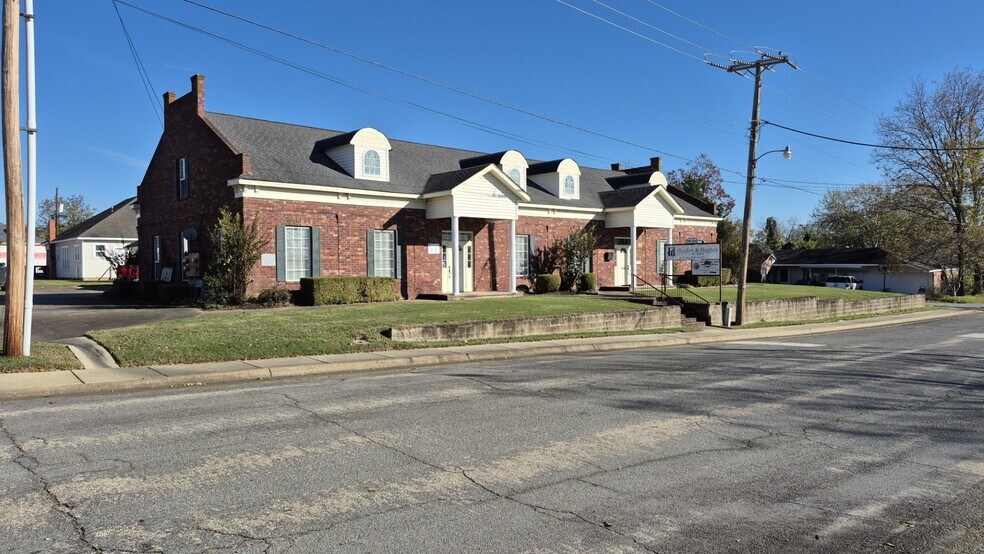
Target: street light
{"points": [[746, 233]]}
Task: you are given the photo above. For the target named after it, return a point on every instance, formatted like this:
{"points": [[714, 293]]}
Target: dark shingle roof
{"points": [[831, 256], [451, 179], [620, 181], [625, 198], [118, 221], [286, 153], [483, 160]]}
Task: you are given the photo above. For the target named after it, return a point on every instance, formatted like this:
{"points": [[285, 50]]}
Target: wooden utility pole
{"points": [[13, 329]]}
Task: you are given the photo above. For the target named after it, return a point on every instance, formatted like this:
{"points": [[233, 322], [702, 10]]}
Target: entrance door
{"points": [[466, 262], [623, 277]]}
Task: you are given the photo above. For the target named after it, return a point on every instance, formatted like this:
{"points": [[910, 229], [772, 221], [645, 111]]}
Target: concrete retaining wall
{"points": [[631, 320], [803, 309]]}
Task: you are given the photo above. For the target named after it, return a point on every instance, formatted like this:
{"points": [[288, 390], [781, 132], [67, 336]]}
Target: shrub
{"points": [[236, 249], [274, 296], [588, 282], [148, 291], [319, 291], [688, 278], [173, 293], [547, 282]]}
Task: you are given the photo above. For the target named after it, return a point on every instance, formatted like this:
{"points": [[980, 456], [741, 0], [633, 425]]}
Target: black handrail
{"points": [[679, 295], [659, 293]]}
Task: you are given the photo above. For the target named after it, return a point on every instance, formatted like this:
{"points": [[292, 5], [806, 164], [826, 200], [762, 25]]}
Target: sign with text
{"points": [[707, 266], [693, 252]]}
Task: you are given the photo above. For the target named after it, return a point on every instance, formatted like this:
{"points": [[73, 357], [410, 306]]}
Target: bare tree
{"points": [[941, 183]]}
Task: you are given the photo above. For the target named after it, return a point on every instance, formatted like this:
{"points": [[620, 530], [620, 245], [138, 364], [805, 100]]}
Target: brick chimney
{"points": [[52, 230], [198, 91], [656, 163], [617, 166]]}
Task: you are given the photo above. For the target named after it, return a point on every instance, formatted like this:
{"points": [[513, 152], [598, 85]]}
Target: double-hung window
{"points": [[383, 254], [370, 163], [297, 252], [522, 252], [660, 257], [181, 178], [570, 189]]}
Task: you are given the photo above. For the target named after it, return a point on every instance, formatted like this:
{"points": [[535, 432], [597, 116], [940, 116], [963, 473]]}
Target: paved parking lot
{"points": [[66, 312]]}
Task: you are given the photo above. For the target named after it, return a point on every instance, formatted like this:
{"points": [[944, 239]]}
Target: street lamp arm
{"points": [[786, 153]]}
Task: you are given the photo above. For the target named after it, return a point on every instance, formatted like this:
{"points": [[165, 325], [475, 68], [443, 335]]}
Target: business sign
{"points": [[707, 266], [693, 252]]}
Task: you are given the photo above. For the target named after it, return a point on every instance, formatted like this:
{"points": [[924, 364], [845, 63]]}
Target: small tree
{"points": [[236, 248], [575, 254], [546, 259]]}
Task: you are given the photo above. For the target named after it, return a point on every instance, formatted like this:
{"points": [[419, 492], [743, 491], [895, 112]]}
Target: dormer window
{"points": [[515, 176], [370, 163], [570, 189]]}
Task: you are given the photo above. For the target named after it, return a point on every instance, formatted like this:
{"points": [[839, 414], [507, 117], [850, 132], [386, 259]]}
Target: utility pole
{"points": [[764, 62], [57, 210], [13, 329], [32, 175]]}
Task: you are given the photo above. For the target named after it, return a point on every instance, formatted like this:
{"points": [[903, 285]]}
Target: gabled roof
{"points": [[620, 181], [119, 221], [626, 198], [447, 181], [831, 256], [286, 153], [483, 160]]}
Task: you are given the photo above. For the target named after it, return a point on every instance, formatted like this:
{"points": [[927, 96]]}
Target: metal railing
{"points": [[679, 296]]}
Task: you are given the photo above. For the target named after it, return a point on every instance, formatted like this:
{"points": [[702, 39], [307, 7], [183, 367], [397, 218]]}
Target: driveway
{"points": [[66, 312]]}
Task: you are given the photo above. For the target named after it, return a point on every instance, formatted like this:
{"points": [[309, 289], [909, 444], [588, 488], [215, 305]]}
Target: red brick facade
{"points": [[212, 162]]}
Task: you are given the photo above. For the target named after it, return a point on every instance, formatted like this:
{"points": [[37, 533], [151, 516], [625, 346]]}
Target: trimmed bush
{"points": [[547, 282], [148, 291], [587, 283], [274, 296], [320, 291], [173, 293], [688, 278]]}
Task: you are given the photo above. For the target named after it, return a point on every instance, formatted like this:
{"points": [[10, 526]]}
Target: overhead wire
{"points": [[655, 28], [141, 70], [871, 145], [702, 26], [424, 79]]}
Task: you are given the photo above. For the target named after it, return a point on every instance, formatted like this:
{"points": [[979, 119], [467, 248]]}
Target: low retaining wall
{"points": [[629, 320], [802, 309]]}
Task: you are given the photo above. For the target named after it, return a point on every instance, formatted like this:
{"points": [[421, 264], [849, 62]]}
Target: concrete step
{"points": [[691, 322]]}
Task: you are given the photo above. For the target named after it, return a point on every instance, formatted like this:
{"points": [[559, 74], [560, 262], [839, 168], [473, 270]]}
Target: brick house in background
{"points": [[435, 219]]}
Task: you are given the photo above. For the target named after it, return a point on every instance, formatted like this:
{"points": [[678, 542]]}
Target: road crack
{"points": [[31, 465]]}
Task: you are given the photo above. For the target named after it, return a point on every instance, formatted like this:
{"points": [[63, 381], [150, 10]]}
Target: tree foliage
{"points": [[575, 255], [940, 188], [236, 248], [75, 210], [701, 179]]}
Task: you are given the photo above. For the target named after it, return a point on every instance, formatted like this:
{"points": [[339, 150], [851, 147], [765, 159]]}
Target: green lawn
{"points": [[69, 283], [760, 291], [45, 356], [323, 330], [969, 299]]}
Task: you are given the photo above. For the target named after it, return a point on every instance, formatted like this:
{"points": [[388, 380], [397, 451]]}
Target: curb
{"points": [[349, 364]]}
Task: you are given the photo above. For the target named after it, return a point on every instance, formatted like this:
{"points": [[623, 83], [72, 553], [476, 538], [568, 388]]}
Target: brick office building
{"points": [[436, 219]]}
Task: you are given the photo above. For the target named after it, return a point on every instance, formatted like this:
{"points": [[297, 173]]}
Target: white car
{"points": [[842, 282]]}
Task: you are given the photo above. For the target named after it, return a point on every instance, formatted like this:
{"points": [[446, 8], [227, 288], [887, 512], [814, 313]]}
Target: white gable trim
{"points": [[499, 175]]}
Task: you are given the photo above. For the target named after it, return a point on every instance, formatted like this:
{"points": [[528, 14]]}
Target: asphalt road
{"points": [[66, 312], [866, 441]]}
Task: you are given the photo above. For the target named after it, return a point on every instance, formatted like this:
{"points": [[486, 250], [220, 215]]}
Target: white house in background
{"points": [[79, 250], [870, 266]]}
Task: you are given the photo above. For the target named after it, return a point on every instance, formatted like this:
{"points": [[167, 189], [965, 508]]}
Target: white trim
{"points": [[513, 186], [697, 223], [90, 239], [269, 190]]}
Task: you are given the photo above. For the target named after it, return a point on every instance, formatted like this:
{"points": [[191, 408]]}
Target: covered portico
{"points": [[482, 192], [636, 207]]}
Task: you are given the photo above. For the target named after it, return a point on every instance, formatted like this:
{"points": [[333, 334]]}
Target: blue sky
{"points": [[98, 128]]}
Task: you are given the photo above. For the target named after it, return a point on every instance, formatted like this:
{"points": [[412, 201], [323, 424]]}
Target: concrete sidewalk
{"points": [[26, 385]]}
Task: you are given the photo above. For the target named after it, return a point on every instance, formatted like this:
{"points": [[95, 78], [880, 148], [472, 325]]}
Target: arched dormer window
{"points": [[514, 175], [370, 163], [569, 189]]}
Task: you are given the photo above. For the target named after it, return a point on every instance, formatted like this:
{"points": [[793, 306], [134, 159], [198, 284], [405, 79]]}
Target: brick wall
{"points": [[211, 163], [804, 309]]}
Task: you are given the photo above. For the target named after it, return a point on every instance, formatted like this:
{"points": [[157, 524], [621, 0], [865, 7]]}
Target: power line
{"points": [[413, 76], [837, 92], [705, 27], [627, 30], [818, 110], [655, 28], [870, 145], [820, 96], [141, 70]]}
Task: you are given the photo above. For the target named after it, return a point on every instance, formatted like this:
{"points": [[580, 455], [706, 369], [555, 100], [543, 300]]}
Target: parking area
{"points": [[69, 311]]}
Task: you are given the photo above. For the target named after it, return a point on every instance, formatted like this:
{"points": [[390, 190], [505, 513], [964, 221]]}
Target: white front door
{"points": [[623, 277], [466, 262]]}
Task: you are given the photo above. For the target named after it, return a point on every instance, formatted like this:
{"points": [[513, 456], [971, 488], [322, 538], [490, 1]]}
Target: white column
{"points": [[512, 255], [32, 178], [455, 258], [632, 261], [669, 263]]}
